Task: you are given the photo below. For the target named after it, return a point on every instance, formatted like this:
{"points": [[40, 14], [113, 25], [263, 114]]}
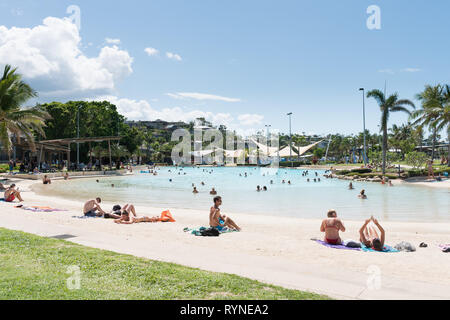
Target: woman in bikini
{"points": [[331, 226], [369, 236]]}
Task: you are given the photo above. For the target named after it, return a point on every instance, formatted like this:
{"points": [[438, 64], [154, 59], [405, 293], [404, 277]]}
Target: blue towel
{"points": [[385, 249]]}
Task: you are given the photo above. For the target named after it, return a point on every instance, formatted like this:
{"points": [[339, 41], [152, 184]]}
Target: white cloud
{"points": [[142, 110], [112, 41], [173, 56], [389, 71], [251, 119], [151, 51], [411, 70], [50, 58], [200, 96]]}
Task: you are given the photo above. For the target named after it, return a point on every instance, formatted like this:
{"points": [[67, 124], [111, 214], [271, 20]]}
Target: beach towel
{"points": [[335, 246], [445, 247], [39, 209], [198, 231], [386, 249]]}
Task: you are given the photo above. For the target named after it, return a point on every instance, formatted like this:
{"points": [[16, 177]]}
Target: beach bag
{"points": [[210, 232], [405, 246]]}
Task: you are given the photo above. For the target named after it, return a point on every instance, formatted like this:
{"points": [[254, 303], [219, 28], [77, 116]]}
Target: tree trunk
{"points": [[448, 156], [434, 145], [385, 146]]}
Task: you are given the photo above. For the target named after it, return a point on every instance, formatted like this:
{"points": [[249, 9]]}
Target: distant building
{"points": [[157, 124]]}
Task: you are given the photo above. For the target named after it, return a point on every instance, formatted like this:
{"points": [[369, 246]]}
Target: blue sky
{"points": [[267, 57]]}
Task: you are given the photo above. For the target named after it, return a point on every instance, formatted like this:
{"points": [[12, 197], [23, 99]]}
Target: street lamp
{"points": [[267, 140], [290, 137], [364, 126], [78, 136]]}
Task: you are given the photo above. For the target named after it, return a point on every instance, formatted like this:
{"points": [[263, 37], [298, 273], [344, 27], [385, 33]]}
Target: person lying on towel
{"points": [[331, 226], [369, 236], [218, 221]]}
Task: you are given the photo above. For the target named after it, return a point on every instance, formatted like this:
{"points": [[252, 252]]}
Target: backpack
{"points": [[210, 232]]}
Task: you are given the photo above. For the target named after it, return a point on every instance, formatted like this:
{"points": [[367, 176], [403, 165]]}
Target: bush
{"points": [[416, 173], [342, 172], [287, 164], [362, 170]]}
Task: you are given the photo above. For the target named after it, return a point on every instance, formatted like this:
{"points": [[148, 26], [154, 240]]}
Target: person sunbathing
{"points": [[92, 208], [12, 193], [369, 236], [218, 221], [125, 214], [331, 226]]}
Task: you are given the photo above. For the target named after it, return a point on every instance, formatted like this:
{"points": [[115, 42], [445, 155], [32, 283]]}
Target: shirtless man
{"points": [[11, 193], [218, 221], [213, 192], [369, 236], [46, 180], [91, 207], [331, 226]]}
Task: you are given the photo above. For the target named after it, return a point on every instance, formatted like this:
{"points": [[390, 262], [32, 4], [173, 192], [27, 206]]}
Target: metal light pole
{"points": [[364, 125], [78, 136], [290, 138], [267, 142]]}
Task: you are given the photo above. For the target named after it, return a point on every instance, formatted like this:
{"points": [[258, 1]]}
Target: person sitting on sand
{"points": [[362, 194], [218, 221], [12, 193], [369, 236], [66, 176], [350, 186], [331, 226], [91, 207], [125, 214], [213, 192], [46, 180], [195, 190]]}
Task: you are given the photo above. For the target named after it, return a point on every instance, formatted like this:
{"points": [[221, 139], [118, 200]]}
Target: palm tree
{"points": [[391, 104], [13, 119], [435, 112]]}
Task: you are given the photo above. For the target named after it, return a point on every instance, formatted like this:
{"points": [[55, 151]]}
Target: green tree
{"points": [[431, 113], [391, 104], [15, 120]]}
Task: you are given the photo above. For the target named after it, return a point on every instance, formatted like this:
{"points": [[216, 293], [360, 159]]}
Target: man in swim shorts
{"points": [[331, 226], [11, 194], [369, 236], [218, 221], [91, 207]]}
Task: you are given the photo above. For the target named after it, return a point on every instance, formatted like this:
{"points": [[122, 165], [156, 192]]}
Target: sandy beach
{"points": [[272, 249]]}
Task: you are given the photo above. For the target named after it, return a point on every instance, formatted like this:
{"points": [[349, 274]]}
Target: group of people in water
{"points": [[368, 233]]}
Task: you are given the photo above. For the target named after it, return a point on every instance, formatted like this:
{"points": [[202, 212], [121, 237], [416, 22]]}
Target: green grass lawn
{"points": [[33, 267]]}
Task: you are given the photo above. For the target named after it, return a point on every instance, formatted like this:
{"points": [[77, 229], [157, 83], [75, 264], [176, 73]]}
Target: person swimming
{"points": [[350, 186], [258, 188], [213, 192], [331, 226], [369, 236], [362, 194], [264, 188], [195, 190]]}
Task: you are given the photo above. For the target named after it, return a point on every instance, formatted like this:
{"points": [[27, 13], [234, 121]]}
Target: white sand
{"points": [[271, 249]]}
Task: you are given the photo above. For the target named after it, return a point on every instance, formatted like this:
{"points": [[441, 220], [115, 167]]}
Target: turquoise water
{"points": [[300, 199]]}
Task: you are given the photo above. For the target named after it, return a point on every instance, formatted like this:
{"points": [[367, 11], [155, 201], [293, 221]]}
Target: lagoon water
{"points": [[300, 199]]}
